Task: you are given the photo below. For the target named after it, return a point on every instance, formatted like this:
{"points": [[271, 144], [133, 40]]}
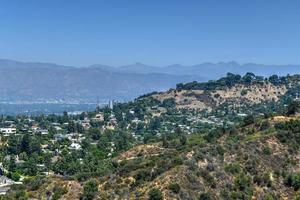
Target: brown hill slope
{"points": [[203, 99]]}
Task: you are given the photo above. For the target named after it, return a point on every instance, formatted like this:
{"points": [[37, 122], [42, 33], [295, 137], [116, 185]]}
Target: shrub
{"points": [[21, 195], [233, 168], [34, 183], [169, 103], [296, 197], [174, 187], [243, 92], [248, 120], [155, 194], [264, 125], [204, 196], [293, 108], [293, 180], [15, 176], [59, 192], [268, 196], [242, 181], [90, 189], [263, 179], [267, 150], [217, 95]]}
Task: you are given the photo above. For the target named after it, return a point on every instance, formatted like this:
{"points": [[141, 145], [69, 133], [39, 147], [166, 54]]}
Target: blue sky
{"points": [[156, 32]]}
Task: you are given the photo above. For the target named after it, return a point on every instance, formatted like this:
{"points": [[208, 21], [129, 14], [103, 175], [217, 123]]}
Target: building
{"points": [[111, 104], [8, 131], [98, 118], [5, 184], [43, 131], [75, 146]]}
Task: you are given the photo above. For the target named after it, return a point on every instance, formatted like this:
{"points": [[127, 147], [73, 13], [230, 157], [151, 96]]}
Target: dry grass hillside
{"points": [[259, 158], [200, 99]]}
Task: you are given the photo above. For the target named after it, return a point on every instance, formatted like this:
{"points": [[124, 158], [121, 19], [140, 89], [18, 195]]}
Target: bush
{"points": [[155, 194], [233, 168], [242, 182], [217, 95], [34, 183], [169, 103], [204, 196], [268, 196], [248, 120], [174, 187], [59, 192], [293, 180], [296, 181], [90, 190], [21, 195], [296, 197], [293, 108], [15, 176], [264, 125], [267, 150], [243, 92], [263, 180]]}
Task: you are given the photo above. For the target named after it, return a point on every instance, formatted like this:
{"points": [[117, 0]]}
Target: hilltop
{"points": [[233, 89]]}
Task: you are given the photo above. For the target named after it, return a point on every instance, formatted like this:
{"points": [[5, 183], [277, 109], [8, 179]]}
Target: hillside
{"points": [[238, 165], [233, 89], [201, 99], [245, 163], [234, 138]]}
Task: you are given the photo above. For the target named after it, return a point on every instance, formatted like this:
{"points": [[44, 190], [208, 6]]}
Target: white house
{"points": [[8, 131], [99, 117], [43, 131], [75, 146], [5, 184]]}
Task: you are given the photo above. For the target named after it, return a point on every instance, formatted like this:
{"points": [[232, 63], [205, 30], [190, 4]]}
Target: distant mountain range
{"points": [[207, 71], [47, 82]]}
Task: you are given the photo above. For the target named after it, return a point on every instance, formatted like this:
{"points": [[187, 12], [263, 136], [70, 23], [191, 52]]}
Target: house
{"points": [[8, 131], [5, 181], [55, 124], [58, 128], [135, 120], [98, 118], [34, 128], [86, 125], [58, 137], [75, 146], [5, 184], [9, 122], [43, 131]]}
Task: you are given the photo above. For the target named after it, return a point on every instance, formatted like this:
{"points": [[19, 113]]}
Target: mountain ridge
{"points": [[48, 81]]}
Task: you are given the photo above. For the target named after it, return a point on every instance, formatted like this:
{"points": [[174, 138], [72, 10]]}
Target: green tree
{"points": [[15, 176], [293, 108], [183, 140]]}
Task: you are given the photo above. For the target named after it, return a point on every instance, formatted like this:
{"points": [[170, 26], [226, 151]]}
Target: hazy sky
{"points": [[156, 32]]}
